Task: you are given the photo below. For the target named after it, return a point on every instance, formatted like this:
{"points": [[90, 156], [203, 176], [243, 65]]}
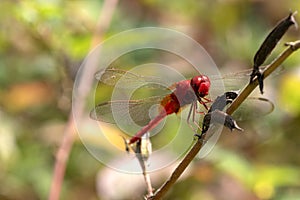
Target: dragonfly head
{"points": [[200, 85]]}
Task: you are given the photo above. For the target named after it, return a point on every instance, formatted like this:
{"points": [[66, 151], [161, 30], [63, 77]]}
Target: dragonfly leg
{"points": [[207, 100], [192, 111], [199, 111], [189, 115], [204, 101]]}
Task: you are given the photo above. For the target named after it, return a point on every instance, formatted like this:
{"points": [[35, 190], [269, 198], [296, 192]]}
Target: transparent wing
{"points": [[125, 79], [137, 110], [253, 107], [234, 80]]}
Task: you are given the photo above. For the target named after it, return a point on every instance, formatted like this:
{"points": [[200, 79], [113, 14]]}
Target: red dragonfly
{"points": [[183, 93]]}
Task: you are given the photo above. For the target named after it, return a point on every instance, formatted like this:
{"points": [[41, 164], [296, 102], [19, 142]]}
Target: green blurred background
{"points": [[42, 44]]}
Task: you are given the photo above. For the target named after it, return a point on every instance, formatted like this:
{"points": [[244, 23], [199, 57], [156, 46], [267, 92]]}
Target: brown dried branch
{"points": [[84, 87]]}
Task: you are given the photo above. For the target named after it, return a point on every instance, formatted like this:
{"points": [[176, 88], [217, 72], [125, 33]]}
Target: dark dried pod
{"points": [[268, 45], [219, 117], [272, 39], [223, 100]]}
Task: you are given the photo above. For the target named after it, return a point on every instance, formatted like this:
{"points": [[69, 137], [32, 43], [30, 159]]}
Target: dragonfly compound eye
{"points": [[200, 85]]}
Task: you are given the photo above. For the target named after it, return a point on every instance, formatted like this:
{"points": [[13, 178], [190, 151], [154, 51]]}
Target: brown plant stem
{"points": [[84, 88], [292, 46], [178, 171]]}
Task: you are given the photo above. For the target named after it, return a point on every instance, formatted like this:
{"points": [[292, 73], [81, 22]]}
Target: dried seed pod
{"points": [[268, 45], [272, 39], [222, 101], [216, 115], [219, 117]]}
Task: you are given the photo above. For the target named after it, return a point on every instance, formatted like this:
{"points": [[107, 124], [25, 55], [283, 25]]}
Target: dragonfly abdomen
{"points": [[153, 123]]}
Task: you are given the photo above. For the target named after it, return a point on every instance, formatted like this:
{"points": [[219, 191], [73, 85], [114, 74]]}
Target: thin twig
{"points": [[142, 152], [84, 88], [178, 171], [293, 46]]}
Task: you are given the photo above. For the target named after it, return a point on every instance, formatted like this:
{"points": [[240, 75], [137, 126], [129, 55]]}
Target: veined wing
{"points": [[253, 107], [139, 110], [234, 80], [125, 79], [135, 110]]}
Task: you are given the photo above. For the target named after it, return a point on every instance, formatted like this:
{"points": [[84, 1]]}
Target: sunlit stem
{"points": [[292, 46]]}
